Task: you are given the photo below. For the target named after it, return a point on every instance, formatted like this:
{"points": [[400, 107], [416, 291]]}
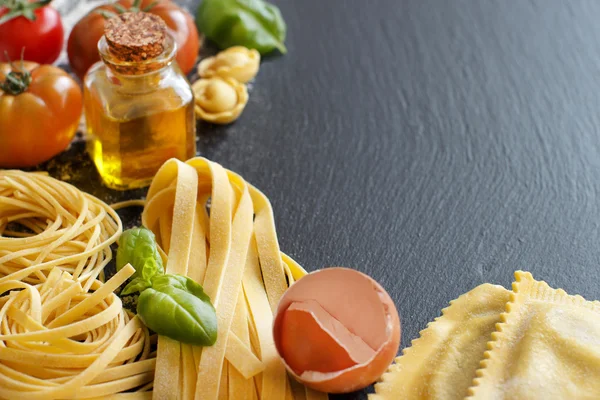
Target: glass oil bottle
{"points": [[139, 107]]}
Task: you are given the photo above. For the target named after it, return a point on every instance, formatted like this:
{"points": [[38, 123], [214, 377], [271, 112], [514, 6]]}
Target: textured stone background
{"points": [[432, 144]]}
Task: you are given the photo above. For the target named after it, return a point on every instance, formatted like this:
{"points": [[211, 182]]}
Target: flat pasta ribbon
{"points": [[220, 231]]}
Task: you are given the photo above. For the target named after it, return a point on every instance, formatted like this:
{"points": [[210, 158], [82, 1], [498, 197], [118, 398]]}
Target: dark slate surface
{"points": [[434, 145]]}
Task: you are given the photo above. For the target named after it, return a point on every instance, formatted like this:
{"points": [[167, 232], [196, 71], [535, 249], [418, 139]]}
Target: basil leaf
{"points": [[171, 305], [255, 24], [177, 307], [137, 247], [136, 285]]}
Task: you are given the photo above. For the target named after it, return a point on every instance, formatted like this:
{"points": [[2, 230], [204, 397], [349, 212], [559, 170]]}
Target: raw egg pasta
{"points": [[45, 223], [219, 100], [65, 334], [441, 363], [238, 62], [546, 346], [219, 230], [59, 341]]}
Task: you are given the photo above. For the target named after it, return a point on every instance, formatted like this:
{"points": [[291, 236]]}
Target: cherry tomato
{"points": [[42, 38], [40, 110], [82, 47]]}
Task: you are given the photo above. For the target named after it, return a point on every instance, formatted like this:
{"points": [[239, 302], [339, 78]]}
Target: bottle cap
{"points": [[135, 37]]}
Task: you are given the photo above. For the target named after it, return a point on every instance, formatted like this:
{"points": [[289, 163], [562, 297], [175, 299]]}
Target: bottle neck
{"points": [[138, 83], [145, 73]]}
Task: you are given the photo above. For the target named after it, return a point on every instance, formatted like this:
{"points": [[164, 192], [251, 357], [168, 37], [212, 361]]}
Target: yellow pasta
{"points": [[219, 100], [441, 363], [238, 62], [229, 243], [64, 333], [45, 223], [94, 348], [545, 347]]}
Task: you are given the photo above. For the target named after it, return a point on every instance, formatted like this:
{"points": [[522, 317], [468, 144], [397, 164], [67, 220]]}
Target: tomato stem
{"points": [[17, 81], [21, 8], [120, 9], [150, 6], [106, 14]]}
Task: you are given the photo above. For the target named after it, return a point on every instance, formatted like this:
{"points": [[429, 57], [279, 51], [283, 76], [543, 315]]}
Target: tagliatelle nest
{"points": [[236, 62], [219, 100]]}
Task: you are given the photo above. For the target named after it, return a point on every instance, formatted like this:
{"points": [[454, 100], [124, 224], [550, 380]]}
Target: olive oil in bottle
{"points": [[139, 106]]}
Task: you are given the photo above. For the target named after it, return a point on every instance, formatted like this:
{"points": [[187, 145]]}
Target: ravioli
{"points": [[547, 347], [441, 364]]}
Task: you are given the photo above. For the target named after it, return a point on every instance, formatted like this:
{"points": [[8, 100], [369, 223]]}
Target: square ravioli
{"points": [[547, 347], [441, 364]]}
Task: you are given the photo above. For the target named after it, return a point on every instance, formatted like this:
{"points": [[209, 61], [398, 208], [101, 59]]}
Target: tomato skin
{"points": [[42, 38], [184, 28], [40, 122], [82, 46]]}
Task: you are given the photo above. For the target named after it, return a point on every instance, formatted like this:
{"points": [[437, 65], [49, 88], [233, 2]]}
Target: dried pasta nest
{"points": [[236, 62], [219, 100]]}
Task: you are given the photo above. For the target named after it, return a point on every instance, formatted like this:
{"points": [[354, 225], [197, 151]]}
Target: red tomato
{"points": [[38, 117], [82, 46], [42, 38]]}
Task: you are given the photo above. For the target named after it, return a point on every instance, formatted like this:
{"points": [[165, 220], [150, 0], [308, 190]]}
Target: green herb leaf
{"points": [[138, 247], [254, 24], [136, 285], [171, 305], [177, 307]]}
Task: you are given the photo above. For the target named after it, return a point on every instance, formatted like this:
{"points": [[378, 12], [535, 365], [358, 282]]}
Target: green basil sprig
{"points": [[181, 309], [137, 247], [170, 305], [255, 24]]}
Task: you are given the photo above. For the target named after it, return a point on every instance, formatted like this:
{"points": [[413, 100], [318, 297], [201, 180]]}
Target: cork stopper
{"points": [[135, 37]]}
